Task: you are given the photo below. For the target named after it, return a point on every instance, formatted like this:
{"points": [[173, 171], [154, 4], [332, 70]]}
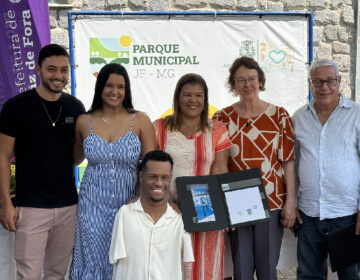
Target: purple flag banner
{"points": [[24, 29]]}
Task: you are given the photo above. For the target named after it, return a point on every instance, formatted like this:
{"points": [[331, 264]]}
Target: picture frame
{"points": [[217, 202]]}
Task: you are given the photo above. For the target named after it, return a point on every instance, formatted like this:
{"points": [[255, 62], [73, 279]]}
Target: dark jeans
{"points": [[312, 248]]}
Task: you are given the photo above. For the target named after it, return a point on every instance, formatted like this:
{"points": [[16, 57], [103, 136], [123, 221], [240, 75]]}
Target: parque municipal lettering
{"points": [[165, 60], [161, 60]]}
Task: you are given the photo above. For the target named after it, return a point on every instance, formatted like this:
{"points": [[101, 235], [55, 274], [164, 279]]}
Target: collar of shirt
{"points": [[343, 103], [169, 214]]}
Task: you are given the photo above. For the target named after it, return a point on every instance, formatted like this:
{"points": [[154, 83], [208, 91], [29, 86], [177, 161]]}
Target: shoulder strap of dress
{"points": [[161, 134], [132, 121], [90, 124]]}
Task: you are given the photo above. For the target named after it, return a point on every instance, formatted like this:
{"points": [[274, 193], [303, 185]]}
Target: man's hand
{"points": [[8, 214], [8, 217], [357, 228], [298, 217], [288, 215]]}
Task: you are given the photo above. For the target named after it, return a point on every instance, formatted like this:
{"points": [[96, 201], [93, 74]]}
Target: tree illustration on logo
{"points": [[109, 50]]}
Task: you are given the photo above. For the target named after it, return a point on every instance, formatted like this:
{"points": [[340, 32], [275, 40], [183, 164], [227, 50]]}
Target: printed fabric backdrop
{"points": [[24, 29], [157, 51]]}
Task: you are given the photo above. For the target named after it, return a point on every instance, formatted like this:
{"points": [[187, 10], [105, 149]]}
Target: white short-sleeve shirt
{"points": [[143, 250]]}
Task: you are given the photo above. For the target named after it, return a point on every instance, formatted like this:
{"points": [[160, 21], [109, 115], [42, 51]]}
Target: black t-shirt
{"points": [[43, 153]]}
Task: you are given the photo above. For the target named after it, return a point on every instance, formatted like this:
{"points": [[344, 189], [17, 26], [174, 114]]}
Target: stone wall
{"points": [[334, 23], [335, 37]]}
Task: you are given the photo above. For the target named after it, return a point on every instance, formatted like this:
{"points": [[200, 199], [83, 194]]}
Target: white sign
{"points": [[158, 51], [245, 205]]}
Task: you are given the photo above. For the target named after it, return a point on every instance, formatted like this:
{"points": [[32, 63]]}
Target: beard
{"points": [[157, 199], [46, 84]]}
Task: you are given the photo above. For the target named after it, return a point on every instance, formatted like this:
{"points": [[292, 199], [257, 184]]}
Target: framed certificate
{"points": [[217, 202]]}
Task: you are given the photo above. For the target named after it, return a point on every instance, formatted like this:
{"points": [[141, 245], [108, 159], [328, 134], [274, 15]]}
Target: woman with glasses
{"points": [[198, 146], [262, 137]]}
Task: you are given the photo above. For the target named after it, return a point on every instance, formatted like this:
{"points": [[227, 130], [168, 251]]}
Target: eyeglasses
{"points": [[317, 83], [250, 80]]}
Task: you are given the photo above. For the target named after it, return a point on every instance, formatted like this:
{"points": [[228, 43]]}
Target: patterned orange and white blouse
{"points": [[193, 156], [263, 141]]}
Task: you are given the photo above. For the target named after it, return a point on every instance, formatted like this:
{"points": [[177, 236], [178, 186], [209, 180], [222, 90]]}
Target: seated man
{"points": [[149, 240]]}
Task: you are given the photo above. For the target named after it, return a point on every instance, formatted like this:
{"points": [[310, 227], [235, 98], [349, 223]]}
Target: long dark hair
{"points": [[173, 122], [103, 76]]}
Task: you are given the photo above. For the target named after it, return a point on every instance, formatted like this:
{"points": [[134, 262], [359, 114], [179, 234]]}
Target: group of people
{"points": [[125, 222]]}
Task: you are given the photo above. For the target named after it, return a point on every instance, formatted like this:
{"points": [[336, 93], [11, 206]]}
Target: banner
{"points": [[157, 51], [24, 29]]}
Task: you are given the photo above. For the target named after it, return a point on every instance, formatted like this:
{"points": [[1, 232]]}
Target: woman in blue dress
{"points": [[111, 136]]}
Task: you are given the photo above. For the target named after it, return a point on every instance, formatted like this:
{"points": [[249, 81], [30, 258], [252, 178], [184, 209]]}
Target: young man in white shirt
{"points": [[149, 240]]}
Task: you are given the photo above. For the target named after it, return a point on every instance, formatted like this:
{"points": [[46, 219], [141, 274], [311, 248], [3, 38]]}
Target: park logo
{"points": [[271, 56], [247, 48], [277, 57], [109, 50]]}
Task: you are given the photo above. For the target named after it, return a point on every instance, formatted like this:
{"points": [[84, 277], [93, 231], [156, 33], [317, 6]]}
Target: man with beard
{"points": [[149, 240], [38, 126]]}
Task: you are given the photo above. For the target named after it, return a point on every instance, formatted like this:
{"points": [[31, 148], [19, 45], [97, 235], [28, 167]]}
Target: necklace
{"points": [[104, 119], [47, 113], [112, 116], [189, 133]]}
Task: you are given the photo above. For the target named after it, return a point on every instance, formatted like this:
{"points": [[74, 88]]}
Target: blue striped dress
{"points": [[109, 182]]}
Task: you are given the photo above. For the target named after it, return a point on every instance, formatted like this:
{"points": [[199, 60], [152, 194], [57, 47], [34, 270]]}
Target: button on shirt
{"points": [[329, 160], [143, 250]]}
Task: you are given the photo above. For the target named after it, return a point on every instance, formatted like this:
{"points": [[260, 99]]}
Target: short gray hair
{"points": [[320, 63]]}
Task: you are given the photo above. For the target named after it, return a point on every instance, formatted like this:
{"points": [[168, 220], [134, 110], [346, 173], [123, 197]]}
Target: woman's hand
{"points": [[228, 229], [288, 214]]}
